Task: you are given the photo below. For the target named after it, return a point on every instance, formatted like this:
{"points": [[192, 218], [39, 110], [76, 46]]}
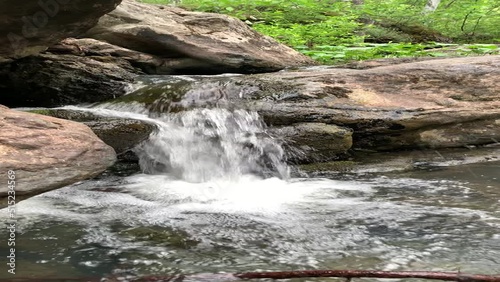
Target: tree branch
{"points": [[434, 275], [348, 274], [446, 276]]}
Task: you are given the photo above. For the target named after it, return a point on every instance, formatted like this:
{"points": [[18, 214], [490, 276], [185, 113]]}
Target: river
{"points": [[215, 195]]}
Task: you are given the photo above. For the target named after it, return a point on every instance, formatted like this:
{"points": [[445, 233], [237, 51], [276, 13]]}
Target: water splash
{"points": [[204, 144]]}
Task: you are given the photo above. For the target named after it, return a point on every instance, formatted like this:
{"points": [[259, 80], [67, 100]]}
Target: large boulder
{"points": [[47, 153], [29, 27], [48, 80], [193, 42], [429, 104]]}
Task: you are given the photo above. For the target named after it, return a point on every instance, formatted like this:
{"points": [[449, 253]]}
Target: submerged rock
{"points": [[160, 236], [47, 153]]}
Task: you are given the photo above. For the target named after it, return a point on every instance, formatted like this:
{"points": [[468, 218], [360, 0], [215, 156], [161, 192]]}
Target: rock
{"points": [[429, 104], [122, 134], [373, 63], [314, 142], [47, 153], [29, 27], [193, 42], [48, 80], [399, 161], [96, 49]]}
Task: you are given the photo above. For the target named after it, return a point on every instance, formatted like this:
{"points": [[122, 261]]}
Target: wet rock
{"points": [[429, 104], [48, 80], [362, 162], [171, 94], [47, 153], [122, 134], [314, 142], [460, 134], [29, 27], [193, 42], [329, 167]]}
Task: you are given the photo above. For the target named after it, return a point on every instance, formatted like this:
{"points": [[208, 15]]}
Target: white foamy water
{"points": [[203, 144]]}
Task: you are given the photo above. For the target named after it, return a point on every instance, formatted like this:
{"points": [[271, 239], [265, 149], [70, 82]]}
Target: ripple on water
{"points": [[254, 223]]}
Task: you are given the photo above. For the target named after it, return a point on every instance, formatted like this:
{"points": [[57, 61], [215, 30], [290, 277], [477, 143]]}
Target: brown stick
{"points": [[446, 276], [434, 275]]}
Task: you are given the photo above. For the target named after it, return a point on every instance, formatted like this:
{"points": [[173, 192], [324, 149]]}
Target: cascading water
{"points": [[206, 144]]}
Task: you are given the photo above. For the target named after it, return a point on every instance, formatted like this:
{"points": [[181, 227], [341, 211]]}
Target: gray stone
{"points": [[314, 142]]}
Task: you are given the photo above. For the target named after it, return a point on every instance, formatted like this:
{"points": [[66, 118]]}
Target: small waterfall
{"points": [[204, 144]]}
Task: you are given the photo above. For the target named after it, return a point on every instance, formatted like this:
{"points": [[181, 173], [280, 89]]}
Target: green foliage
{"points": [[467, 20], [461, 20], [344, 53], [336, 31], [295, 22], [333, 31]]}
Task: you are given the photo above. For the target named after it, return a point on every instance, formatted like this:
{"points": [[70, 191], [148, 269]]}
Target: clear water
{"points": [[216, 196]]}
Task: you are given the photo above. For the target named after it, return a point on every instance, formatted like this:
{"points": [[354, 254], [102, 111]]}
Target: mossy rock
{"points": [[172, 95], [161, 97]]}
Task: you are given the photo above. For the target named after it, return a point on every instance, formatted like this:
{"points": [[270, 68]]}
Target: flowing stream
{"points": [[215, 195]]}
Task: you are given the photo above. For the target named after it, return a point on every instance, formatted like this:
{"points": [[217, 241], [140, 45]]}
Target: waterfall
{"points": [[200, 145], [203, 144]]}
